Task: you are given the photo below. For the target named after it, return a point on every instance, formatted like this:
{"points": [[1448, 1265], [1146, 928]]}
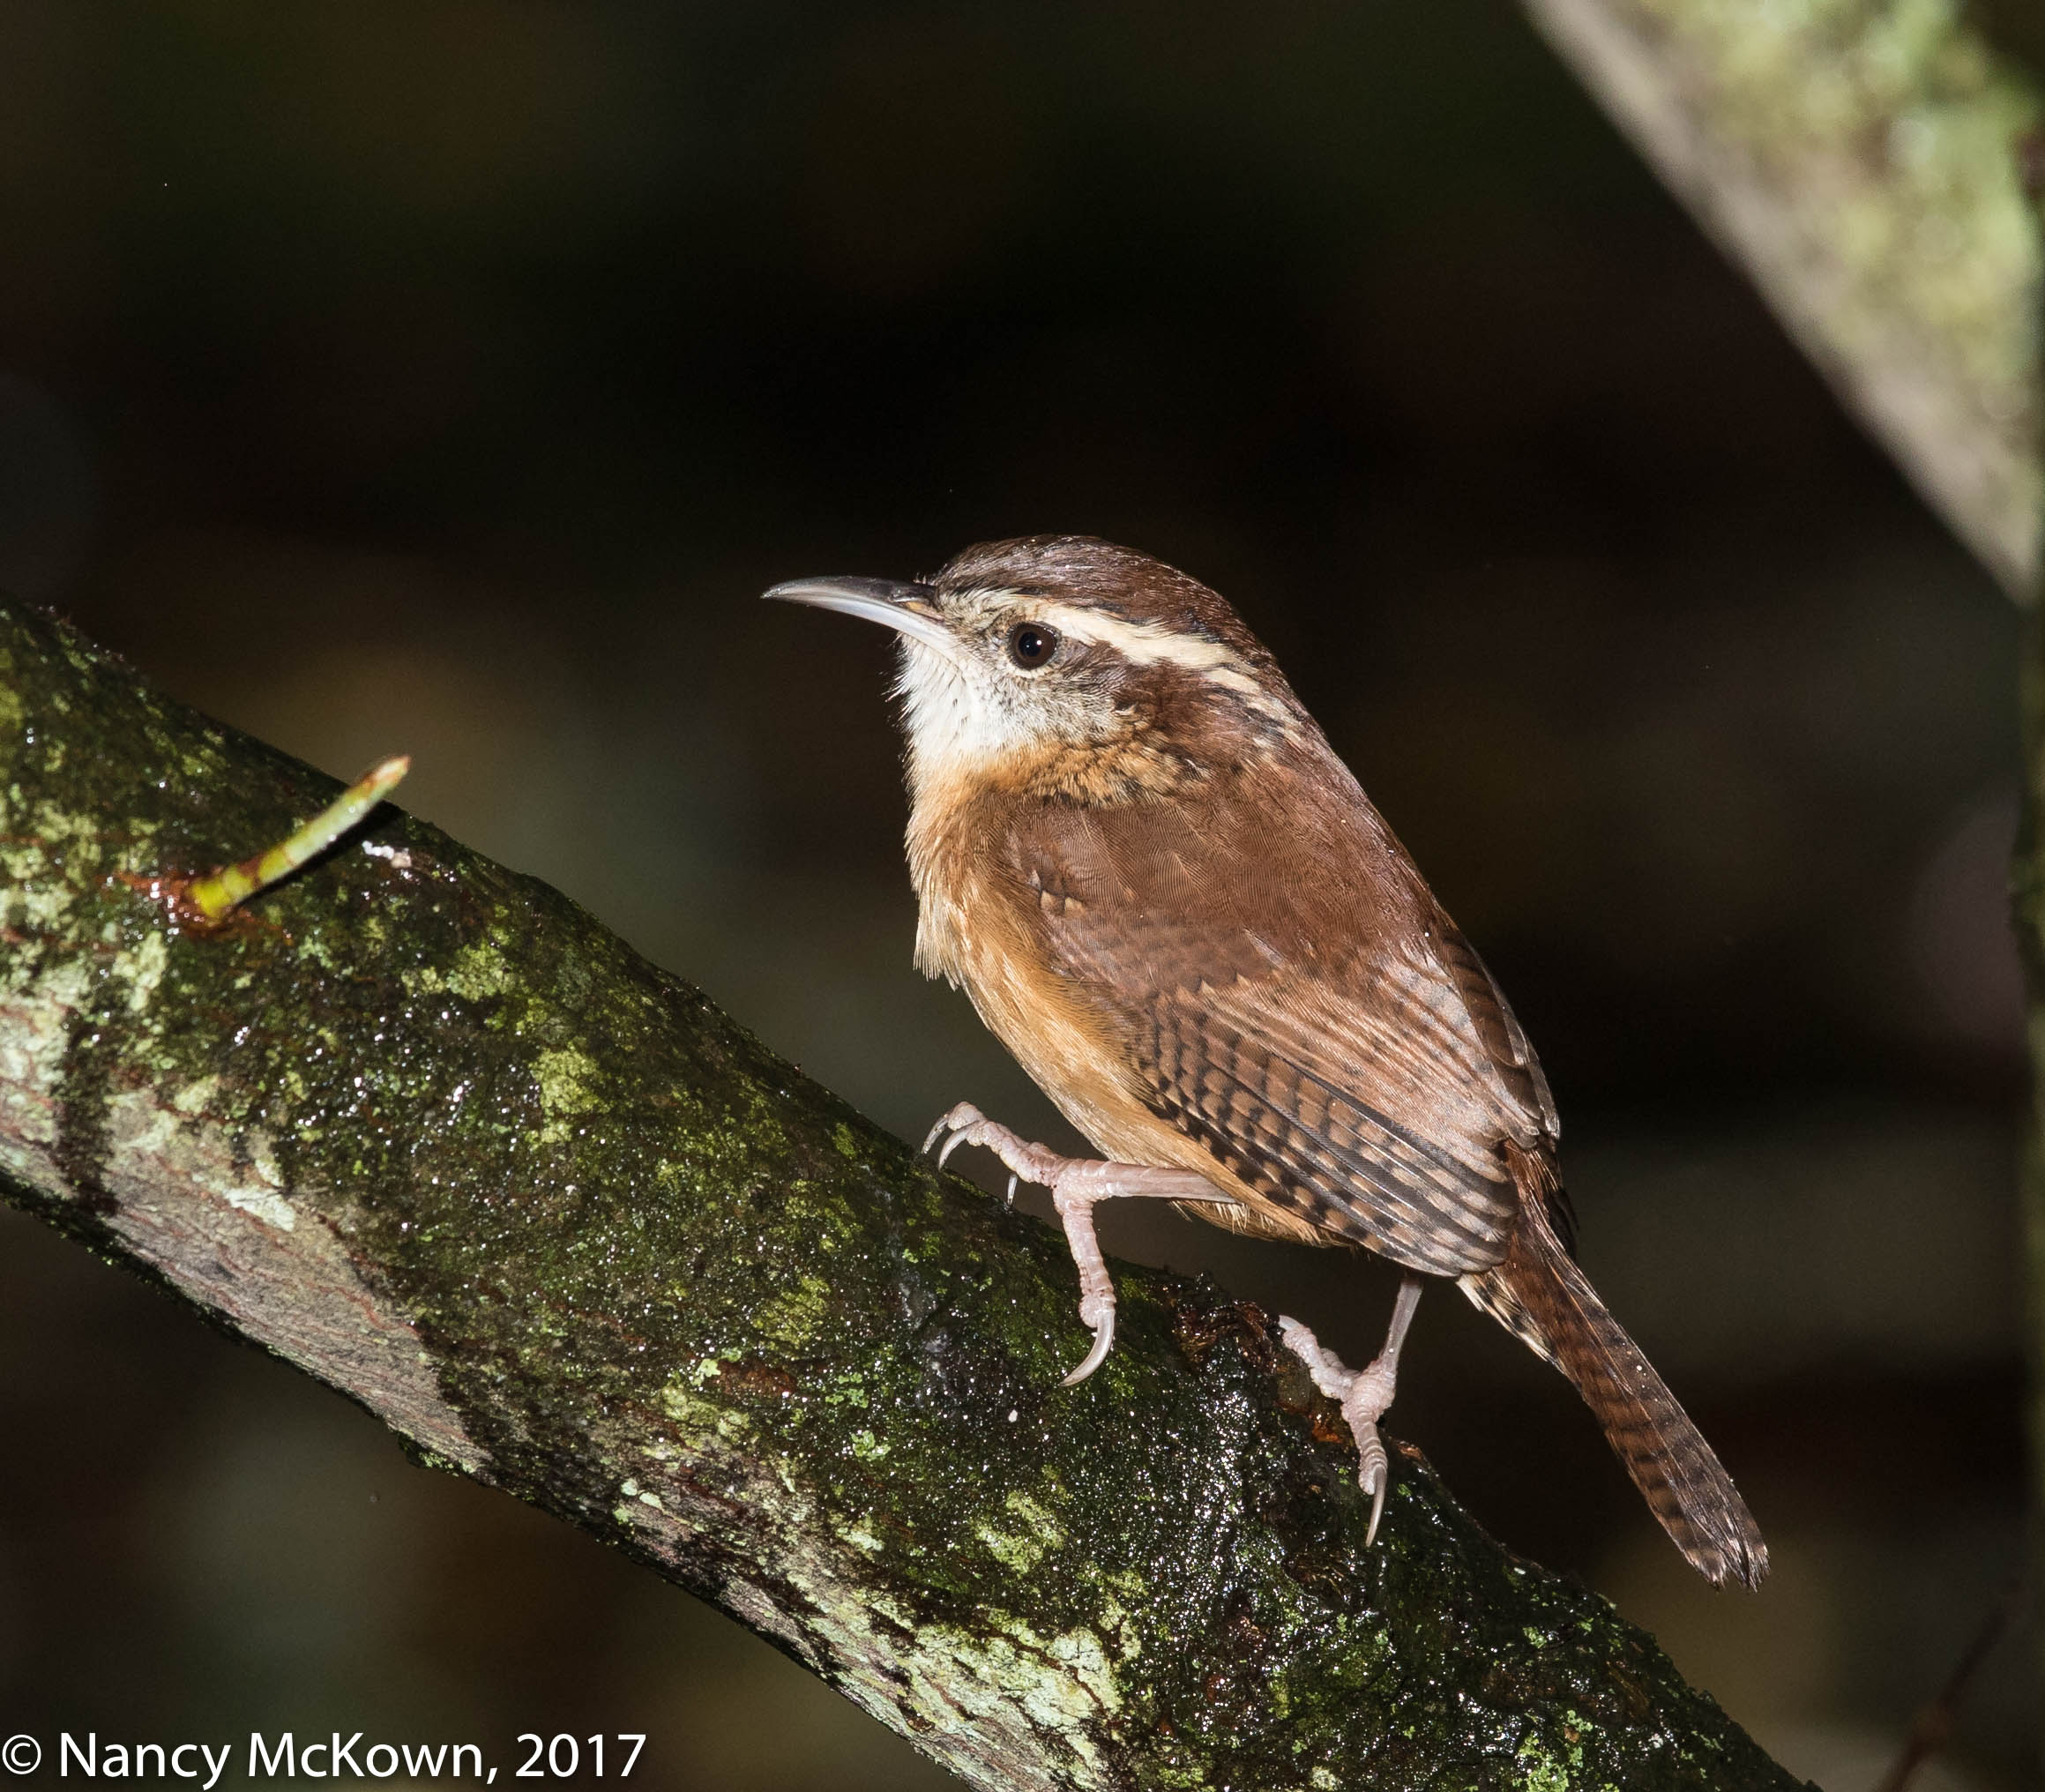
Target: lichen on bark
{"points": [[1864, 162], [428, 1129]]}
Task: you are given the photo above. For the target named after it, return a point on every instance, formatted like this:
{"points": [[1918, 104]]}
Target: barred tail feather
{"points": [[1540, 1295]]}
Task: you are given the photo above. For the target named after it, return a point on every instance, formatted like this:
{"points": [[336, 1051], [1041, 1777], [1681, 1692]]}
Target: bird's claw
{"points": [[1077, 1185], [1362, 1395], [966, 1124], [956, 1121], [1103, 1342], [1374, 1476]]}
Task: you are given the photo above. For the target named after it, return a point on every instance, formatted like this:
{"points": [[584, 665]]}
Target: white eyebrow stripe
{"points": [[1147, 644], [1152, 644]]}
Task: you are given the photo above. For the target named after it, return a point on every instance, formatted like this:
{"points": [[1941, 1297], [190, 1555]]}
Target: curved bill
{"points": [[908, 610]]}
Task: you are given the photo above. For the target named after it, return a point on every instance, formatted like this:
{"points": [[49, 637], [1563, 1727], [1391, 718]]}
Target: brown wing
{"points": [[1324, 1032], [1513, 1054]]}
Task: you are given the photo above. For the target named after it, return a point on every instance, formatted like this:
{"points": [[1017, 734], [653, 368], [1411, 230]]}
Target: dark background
{"points": [[449, 376]]}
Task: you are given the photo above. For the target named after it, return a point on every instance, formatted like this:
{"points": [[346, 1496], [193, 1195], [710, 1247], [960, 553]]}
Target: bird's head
{"points": [[1070, 667]]}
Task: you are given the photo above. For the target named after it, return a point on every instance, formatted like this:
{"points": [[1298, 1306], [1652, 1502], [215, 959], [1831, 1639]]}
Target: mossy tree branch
{"points": [[426, 1130]]}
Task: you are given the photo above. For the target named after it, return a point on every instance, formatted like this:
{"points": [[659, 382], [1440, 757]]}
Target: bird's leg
{"points": [[1363, 1395], [1076, 1184]]}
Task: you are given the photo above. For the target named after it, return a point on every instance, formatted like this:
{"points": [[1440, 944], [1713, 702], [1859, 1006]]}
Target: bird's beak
{"points": [[908, 610]]}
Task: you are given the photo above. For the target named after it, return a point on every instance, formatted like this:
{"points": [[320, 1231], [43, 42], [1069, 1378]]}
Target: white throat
{"points": [[959, 719]]}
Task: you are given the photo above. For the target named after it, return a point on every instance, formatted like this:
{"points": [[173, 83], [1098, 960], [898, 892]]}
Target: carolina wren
{"points": [[1136, 853]]}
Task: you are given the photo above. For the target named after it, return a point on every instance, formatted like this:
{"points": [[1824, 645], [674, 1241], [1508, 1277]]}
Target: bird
{"points": [[1140, 858]]}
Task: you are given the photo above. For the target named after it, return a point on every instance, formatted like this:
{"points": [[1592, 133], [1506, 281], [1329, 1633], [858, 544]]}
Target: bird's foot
{"points": [[1076, 1184], [1363, 1395]]}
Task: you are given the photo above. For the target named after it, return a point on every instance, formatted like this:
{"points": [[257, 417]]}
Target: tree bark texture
{"points": [[1867, 162], [423, 1128]]}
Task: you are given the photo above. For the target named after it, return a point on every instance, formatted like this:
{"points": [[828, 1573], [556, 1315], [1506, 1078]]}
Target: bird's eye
{"points": [[1032, 644]]}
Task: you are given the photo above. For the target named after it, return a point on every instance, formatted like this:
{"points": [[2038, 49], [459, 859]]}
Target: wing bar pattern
{"points": [[1324, 1154]]}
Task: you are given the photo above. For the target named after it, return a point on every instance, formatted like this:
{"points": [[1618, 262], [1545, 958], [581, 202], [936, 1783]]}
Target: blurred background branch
{"points": [[1874, 167]]}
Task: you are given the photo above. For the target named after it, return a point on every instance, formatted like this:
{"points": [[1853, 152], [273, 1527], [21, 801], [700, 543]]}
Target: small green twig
{"points": [[217, 892]]}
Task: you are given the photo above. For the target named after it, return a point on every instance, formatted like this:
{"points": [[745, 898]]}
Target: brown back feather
{"points": [[1285, 1004]]}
